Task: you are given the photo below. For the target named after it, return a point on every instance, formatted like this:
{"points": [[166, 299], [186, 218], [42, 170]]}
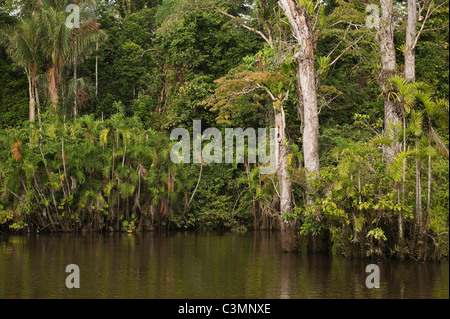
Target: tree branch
{"points": [[268, 92], [427, 15], [267, 39], [342, 53]]}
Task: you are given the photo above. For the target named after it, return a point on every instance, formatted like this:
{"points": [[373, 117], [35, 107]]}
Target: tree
{"points": [[433, 109], [410, 65], [408, 95], [84, 38], [56, 50], [385, 39], [415, 10], [24, 47], [228, 95], [63, 46], [299, 17]]}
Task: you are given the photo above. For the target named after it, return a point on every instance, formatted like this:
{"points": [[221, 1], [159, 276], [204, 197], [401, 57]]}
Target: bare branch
{"points": [[274, 186], [198, 182], [430, 11], [142, 54], [331, 52], [342, 53], [267, 39], [268, 91]]}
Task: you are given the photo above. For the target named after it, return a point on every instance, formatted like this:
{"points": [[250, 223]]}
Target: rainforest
{"points": [[360, 110]]}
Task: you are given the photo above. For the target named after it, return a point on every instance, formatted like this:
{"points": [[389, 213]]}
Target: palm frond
{"points": [[443, 149], [416, 122], [396, 168]]}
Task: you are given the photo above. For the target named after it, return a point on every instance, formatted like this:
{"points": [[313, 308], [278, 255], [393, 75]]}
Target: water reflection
{"points": [[198, 265]]}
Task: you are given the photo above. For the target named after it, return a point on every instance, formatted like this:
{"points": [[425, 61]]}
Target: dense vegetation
{"points": [[86, 115]]}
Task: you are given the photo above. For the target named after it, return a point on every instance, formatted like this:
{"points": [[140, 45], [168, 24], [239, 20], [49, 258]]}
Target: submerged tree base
{"points": [[289, 235]]}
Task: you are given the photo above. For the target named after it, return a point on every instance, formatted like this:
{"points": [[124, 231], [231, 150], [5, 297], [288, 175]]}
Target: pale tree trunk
{"points": [[428, 211], [303, 32], [96, 68], [283, 152], [410, 46], [401, 240], [419, 215], [38, 104], [75, 66], [32, 104], [289, 229], [401, 232], [385, 39], [419, 219]]}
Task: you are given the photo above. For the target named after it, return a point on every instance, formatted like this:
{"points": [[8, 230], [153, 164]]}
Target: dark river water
{"points": [[199, 265]]}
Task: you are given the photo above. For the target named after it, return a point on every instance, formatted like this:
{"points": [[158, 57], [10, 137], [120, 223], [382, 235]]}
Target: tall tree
{"points": [[299, 17], [57, 43], [24, 47], [385, 39], [433, 109], [302, 27], [410, 64], [84, 39]]}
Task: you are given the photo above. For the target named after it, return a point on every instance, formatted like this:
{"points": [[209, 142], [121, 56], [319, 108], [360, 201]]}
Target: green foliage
{"points": [[163, 64]]}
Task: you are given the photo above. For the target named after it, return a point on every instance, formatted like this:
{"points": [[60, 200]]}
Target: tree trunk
{"points": [[96, 68], [289, 234], [410, 73], [32, 105], [419, 218], [428, 211], [53, 87], [289, 229], [38, 104], [401, 236], [429, 177], [403, 185], [303, 32], [75, 91], [385, 39], [283, 175]]}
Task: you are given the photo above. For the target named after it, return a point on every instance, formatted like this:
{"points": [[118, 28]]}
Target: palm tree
{"points": [[433, 109], [56, 48], [416, 128], [85, 41], [64, 46], [408, 94], [405, 96], [24, 46]]}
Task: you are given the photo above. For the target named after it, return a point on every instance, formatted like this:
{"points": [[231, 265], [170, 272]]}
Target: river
{"points": [[191, 265]]}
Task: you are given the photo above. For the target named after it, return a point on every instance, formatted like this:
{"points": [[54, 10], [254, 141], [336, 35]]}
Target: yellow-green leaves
{"points": [[377, 233], [51, 129], [104, 136]]}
